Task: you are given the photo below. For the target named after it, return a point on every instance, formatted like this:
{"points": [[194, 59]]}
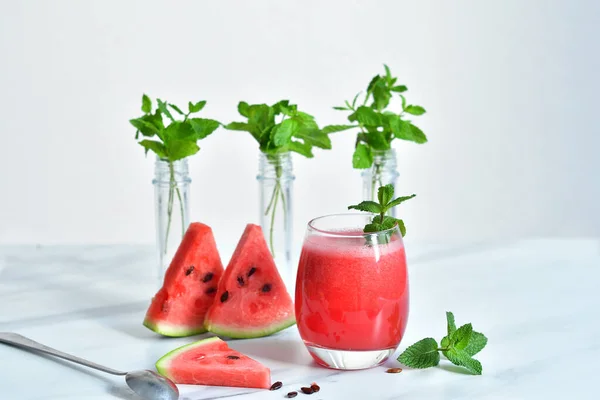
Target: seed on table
{"points": [[315, 387], [291, 395], [276, 386], [394, 370], [307, 390]]}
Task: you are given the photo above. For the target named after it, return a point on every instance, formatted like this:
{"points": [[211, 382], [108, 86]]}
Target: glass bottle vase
{"points": [[383, 172], [275, 178], [171, 207]]}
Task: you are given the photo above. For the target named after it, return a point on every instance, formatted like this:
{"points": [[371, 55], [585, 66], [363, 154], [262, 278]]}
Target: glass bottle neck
{"points": [[166, 172], [384, 159], [275, 166]]}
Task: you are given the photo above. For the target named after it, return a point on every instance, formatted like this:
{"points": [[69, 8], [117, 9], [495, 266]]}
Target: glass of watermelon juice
{"points": [[351, 292]]}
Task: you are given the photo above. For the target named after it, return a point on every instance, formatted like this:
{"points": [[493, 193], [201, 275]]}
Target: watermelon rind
{"points": [[173, 330], [249, 333], [162, 365]]}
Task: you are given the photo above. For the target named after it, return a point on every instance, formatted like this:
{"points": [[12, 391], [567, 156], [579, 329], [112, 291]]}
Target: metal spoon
{"points": [[149, 385]]}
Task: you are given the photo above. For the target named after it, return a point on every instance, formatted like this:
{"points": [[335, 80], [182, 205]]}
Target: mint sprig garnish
{"points": [[458, 346], [382, 222], [378, 125]]}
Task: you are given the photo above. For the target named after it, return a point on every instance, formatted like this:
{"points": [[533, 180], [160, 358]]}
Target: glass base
{"points": [[349, 359]]}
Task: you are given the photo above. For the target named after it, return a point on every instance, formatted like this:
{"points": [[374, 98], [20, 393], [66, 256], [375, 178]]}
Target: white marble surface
{"points": [[536, 300]]}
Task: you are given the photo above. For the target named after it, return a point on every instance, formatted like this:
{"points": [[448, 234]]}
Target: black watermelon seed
{"points": [[189, 270], [208, 277], [315, 387], [224, 296], [276, 386], [233, 357], [307, 390], [291, 395], [211, 290], [240, 280], [251, 272], [266, 288]]}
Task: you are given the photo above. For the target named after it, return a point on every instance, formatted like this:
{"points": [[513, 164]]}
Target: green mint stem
{"points": [[180, 209], [272, 228], [169, 203]]}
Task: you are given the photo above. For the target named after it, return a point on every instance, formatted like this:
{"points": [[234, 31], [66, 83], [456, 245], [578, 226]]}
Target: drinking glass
{"points": [[351, 292]]}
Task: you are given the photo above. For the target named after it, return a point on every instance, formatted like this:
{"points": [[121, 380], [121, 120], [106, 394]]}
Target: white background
{"points": [[511, 89]]}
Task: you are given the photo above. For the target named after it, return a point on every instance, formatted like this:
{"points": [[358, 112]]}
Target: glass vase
{"points": [[275, 179], [171, 206], [383, 172]]}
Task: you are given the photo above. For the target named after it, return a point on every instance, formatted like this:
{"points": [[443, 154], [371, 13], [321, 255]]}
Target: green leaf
{"points": [[238, 126], [162, 106], [146, 104], [414, 110], [372, 228], [459, 339], [402, 227], [388, 222], [179, 130], [157, 147], [341, 108], [337, 128], [450, 322], [367, 206], [354, 100], [399, 89], [174, 107], [366, 116], [301, 148], [381, 95], [399, 200], [179, 149], [385, 194], [400, 129], [194, 108], [314, 137], [461, 358], [144, 127], [445, 342], [362, 157], [375, 139], [372, 84], [418, 135], [243, 109], [388, 73], [423, 354], [284, 132], [476, 344], [284, 107], [403, 102], [203, 127]]}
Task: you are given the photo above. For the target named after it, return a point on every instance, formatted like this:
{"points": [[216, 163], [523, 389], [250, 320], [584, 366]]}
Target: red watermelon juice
{"points": [[351, 296]]}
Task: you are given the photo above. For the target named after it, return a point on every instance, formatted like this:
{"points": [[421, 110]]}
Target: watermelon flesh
{"points": [[252, 300], [211, 362], [190, 286]]}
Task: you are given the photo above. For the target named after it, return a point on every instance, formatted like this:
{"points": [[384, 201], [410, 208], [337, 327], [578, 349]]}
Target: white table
{"points": [[536, 300]]}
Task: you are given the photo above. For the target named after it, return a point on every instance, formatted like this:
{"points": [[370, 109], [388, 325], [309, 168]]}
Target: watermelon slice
{"points": [[252, 300], [211, 362], [190, 286]]}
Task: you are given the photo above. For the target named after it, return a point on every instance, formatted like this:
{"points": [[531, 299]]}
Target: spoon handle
{"points": [[23, 342]]}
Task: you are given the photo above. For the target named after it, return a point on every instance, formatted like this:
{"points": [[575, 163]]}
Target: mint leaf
{"points": [[423, 354], [157, 147], [301, 148], [372, 228], [354, 100], [368, 206], [179, 130], [341, 108], [144, 127], [388, 73], [418, 135], [179, 149], [477, 342], [403, 102], [177, 109], [388, 222], [385, 194], [401, 129], [146, 104], [283, 133], [196, 107], [451, 323], [337, 128], [362, 157], [402, 227], [243, 109], [459, 339], [414, 110], [366, 116], [461, 358], [376, 140], [399, 89], [162, 106], [203, 127], [399, 200]]}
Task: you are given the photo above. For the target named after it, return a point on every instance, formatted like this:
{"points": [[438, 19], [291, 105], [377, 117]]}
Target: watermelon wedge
{"points": [[252, 300], [211, 362], [190, 286]]}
